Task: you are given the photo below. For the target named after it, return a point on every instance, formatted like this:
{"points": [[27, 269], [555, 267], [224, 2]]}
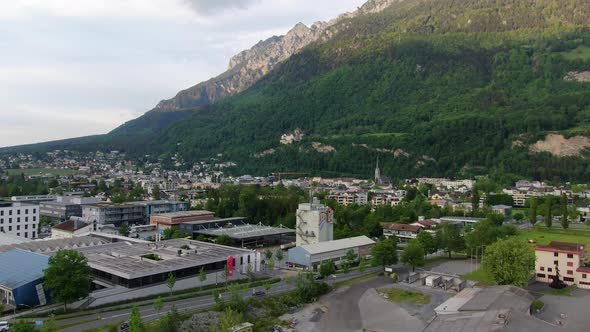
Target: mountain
{"points": [[431, 87]]}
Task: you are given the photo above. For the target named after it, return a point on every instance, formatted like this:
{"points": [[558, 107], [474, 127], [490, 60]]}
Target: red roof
{"points": [[428, 223], [564, 247]]}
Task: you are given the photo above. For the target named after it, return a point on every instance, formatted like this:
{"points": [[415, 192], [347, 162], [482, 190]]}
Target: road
{"points": [[148, 313]]}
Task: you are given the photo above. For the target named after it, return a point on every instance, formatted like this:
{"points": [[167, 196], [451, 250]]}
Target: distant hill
{"points": [[431, 87]]}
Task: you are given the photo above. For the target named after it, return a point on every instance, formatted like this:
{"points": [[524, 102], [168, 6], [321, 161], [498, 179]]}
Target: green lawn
{"points": [[579, 53], [42, 171], [396, 295], [482, 276], [543, 235]]}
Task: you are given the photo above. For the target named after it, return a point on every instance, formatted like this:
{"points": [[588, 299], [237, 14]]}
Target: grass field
{"points": [[579, 53], [396, 295], [42, 171], [543, 235]]}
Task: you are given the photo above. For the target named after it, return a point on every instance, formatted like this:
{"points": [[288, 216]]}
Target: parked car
{"points": [[319, 277], [258, 293], [4, 326]]}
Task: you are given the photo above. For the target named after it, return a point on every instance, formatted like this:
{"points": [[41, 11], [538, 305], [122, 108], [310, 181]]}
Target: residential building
{"points": [[315, 223], [70, 228], [19, 219], [349, 197], [504, 210], [310, 256], [403, 232], [565, 260], [116, 214], [160, 207]]}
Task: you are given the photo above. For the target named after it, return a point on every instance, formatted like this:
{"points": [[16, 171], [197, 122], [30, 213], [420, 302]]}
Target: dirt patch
{"points": [[321, 148], [561, 146], [264, 153], [578, 76]]}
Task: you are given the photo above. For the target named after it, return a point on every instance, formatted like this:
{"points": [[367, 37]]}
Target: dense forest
{"points": [[431, 88]]}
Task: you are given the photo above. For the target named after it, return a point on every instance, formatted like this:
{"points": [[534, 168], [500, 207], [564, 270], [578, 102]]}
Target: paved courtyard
{"points": [[453, 266], [570, 312]]}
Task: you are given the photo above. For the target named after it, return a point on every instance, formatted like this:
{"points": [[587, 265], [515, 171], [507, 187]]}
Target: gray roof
{"points": [[246, 231], [491, 320], [334, 245], [500, 297], [19, 267], [208, 221], [49, 246], [7, 239]]}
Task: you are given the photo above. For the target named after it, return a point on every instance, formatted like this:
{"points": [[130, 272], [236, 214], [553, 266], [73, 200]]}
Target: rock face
{"points": [[248, 66], [560, 146]]}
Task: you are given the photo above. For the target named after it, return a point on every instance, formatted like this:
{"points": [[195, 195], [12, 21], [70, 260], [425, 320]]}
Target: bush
{"points": [[537, 306]]}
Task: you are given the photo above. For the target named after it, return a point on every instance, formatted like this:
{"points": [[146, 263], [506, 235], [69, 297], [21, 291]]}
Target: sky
{"points": [[71, 68]]}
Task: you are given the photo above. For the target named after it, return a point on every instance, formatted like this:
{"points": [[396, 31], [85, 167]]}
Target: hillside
{"points": [[431, 87]]}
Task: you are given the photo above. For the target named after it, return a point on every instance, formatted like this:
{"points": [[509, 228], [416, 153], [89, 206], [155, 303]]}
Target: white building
{"points": [[315, 223], [19, 219], [312, 255]]}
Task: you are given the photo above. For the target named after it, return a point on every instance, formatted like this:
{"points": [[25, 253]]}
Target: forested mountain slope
{"points": [[431, 87]]}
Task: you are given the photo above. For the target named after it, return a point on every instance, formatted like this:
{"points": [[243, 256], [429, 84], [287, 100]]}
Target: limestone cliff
{"points": [[248, 66]]}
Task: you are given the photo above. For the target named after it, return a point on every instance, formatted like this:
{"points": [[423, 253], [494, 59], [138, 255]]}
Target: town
{"points": [[190, 249]]}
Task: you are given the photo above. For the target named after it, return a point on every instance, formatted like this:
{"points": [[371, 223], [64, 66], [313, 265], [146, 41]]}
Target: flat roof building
{"points": [[312, 255], [167, 220], [564, 259], [21, 278]]}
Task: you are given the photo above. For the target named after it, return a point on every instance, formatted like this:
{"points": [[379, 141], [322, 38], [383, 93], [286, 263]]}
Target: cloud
{"points": [[208, 7]]}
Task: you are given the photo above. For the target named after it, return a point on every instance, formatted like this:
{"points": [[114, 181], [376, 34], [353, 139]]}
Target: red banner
{"points": [[230, 266]]}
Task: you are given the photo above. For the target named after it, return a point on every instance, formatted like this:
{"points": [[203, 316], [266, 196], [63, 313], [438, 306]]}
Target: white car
{"points": [[4, 327]]}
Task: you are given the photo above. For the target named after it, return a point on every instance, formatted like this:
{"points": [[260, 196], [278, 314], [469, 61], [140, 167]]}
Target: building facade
{"points": [[65, 207], [19, 219], [312, 255], [563, 260], [116, 214], [315, 223]]}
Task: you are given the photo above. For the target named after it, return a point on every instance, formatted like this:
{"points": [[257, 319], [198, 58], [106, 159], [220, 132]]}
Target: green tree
{"points": [[384, 252], [518, 216], [158, 304], [49, 325], [484, 233], [68, 276], [156, 192], [428, 242], [230, 319], [510, 262], [267, 286], [450, 239], [225, 275], [202, 276], [171, 281], [171, 233], [564, 212], [351, 256], [475, 199], [224, 240], [307, 288], [413, 254], [124, 230], [249, 272], [135, 323], [327, 268], [345, 265], [362, 266], [279, 256], [549, 215], [235, 298]]}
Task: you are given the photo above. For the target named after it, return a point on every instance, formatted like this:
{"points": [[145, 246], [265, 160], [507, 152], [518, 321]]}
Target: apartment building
{"points": [[565, 260], [19, 219], [349, 197], [403, 232]]}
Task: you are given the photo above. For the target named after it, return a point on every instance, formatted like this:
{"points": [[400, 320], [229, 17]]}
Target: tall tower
{"points": [[377, 173], [315, 223]]}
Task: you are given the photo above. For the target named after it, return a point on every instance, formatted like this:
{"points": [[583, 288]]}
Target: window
{"points": [[1, 213], [36, 225], [10, 220], [26, 211], [26, 219], [542, 268], [584, 276], [34, 218], [18, 212], [9, 212], [18, 219], [33, 235], [26, 226], [34, 210], [540, 275], [555, 254], [18, 227], [570, 272], [568, 279], [10, 228], [27, 234], [555, 262], [570, 263], [570, 256], [1, 229], [18, 234], [549, 269]]}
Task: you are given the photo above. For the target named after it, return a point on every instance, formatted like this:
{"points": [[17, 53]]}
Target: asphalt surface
{"points": [[148, 313]]}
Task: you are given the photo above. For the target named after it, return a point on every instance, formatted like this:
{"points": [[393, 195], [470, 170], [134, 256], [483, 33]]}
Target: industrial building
{"points": [[168, 220], [310, 256], [21, 278], [243, 234], [19, 219], [129, 213], [159, 207], [139, 264], [315, 223]]}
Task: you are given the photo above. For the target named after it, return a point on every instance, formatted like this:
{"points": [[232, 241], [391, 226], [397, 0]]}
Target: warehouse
{"points": [[134, 265], [239, 231], [310, 256], [21, 278]]}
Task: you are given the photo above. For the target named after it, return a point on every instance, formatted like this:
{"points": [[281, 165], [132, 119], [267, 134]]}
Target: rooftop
{"points": [[19, 267], [334, 245], [49, 246], [403, 227], [7, 239], [562, 247], [124, 259], [245, 231], [185, 214]]}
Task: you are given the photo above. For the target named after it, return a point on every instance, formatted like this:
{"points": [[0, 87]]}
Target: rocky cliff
{"points": [[248, 66]]}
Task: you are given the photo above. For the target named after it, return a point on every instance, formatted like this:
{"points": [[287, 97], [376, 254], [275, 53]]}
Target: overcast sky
{"points": [[72, 68]]}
